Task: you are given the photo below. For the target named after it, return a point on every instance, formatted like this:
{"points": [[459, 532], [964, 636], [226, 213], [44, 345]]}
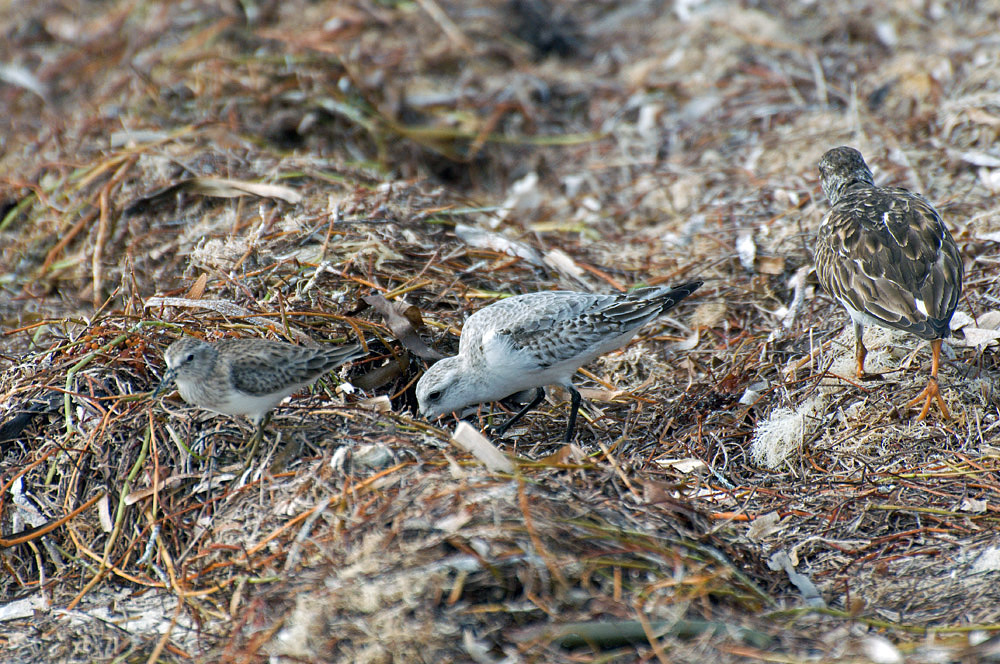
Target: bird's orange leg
{"points": [[860, 353], [931, 392]]}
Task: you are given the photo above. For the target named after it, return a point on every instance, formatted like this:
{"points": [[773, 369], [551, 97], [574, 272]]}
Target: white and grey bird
{"points": [[885, 254], [247, 376], [529, 341]]}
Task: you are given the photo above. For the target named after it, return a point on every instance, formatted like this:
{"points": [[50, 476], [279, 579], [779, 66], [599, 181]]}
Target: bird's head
{"points": [[444, 388], [841, 167], [187, 358]]}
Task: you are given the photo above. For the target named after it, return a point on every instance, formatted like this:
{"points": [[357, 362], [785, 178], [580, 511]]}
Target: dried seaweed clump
{"points": [[783, 432]]}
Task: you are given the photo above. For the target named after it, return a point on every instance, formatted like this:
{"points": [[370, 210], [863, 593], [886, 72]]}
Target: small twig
{"points": [[35, 533], [536, 541], [618, 470], [66, 239], [647, 629], [102, 235], [71, 374], [119, 521], [154, 656], [292, 557], [447, 26]]}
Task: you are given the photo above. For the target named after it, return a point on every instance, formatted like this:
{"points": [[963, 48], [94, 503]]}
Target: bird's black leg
{"points": [[258, 436], [574, 408], [539, 395]]}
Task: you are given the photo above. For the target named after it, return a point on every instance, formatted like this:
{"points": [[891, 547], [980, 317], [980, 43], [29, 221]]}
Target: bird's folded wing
{"points": [[270, 371], [905, 271], [550, 338]]}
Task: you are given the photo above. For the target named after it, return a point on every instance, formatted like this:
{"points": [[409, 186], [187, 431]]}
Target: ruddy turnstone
{"points": [[885, 254]]}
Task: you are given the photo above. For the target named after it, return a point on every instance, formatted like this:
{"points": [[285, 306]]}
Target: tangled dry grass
{"points": [[362, 170]]}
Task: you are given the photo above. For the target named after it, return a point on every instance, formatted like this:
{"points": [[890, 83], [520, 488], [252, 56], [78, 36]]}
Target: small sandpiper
{"points": [[247, 376], [530, 341]]}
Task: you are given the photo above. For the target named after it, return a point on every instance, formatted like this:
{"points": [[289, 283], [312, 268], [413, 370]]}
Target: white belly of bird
{"points": [[861, 317], [510, 371], [234, 402]]}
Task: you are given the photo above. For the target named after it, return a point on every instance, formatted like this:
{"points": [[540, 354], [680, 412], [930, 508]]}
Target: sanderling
{"points": [[538, 339], [885, 254], [247, 376]]}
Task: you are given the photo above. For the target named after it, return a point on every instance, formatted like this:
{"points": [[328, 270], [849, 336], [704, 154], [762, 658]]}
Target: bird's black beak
{"points": [[168, 379]]}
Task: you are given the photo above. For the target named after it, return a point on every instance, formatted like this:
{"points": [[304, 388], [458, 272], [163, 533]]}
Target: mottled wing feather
{"points": [[559, 326], [882, 249], [533, 325], [274, 367], [553, 339]]}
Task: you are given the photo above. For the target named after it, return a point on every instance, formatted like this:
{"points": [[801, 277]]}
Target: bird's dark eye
{"points": [[189, 358], [434, 396]]}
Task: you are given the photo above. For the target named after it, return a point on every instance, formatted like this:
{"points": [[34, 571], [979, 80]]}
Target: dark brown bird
{"points": [[885, 254]]}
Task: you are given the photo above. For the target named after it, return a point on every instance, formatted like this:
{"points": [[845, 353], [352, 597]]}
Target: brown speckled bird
{"points": [[885, 254]]}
